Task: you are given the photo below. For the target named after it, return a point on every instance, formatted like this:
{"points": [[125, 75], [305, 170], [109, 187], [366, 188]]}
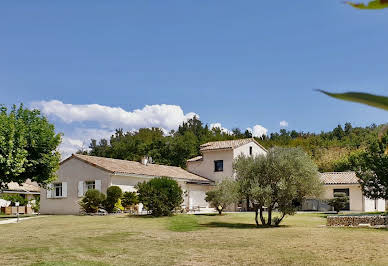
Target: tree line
{"points": [[329, 150]]}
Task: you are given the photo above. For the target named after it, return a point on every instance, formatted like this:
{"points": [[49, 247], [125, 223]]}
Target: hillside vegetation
{"points": [[329, 150]]}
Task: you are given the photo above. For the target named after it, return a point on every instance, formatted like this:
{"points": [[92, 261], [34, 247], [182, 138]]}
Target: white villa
{"points": [[79, 173]]}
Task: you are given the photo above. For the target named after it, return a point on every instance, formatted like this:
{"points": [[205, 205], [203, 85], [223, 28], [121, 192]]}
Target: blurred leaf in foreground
{"points": [[377, 4], [360, 97]]}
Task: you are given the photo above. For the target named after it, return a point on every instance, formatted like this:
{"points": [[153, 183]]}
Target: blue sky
{"points": [[238, 63]]}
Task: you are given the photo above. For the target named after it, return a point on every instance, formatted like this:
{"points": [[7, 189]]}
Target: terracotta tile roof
{"points": [[130, 167], [227, 144], [195, 159], [332, 178], [28, 186]]}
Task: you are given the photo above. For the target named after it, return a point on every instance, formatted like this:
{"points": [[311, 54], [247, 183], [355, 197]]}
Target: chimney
{"points": [[144, 160]]}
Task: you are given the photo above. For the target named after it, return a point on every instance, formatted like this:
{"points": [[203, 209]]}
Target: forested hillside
{"points": [[329, 149]]}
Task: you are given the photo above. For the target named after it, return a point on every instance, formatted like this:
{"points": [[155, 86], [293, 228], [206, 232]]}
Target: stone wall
{"points": [[353, 220]]}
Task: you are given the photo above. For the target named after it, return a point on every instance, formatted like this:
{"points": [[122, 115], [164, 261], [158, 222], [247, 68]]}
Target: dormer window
{"points": [[250, 151], [219, 166]]}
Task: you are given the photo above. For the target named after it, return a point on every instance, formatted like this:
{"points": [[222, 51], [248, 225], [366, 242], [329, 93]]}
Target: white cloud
{"points": [[218, 125], [79, 139], [283, 123], [258, 131], [164, 116]]}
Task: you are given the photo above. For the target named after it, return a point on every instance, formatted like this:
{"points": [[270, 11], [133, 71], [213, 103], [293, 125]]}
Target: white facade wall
{"points": [[357, 201], [195, 195], [205, 167], [372, 205], [71, 172], [244, 150], [355, 195]]}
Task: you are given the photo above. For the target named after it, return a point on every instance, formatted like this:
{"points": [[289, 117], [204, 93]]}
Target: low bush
{"points": [[113, 195], [92, 200], [129, 199], [161, 196]]}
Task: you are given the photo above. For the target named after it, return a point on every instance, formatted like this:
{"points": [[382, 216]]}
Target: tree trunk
{"points": [[269, 215], [280, 220], [219, 211], [256, 214], [247, 203], [261, 215]]}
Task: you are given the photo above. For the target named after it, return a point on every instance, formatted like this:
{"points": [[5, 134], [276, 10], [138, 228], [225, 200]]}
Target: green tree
{"points": [[28, 147], [113, 195], [161, 196], [339, 201], [224, 194], [92, 200], [371, 167], [281, 180]]}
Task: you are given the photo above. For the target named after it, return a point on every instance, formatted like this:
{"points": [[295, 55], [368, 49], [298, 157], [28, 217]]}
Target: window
{"points": [[89, 185], [341, 190], [218, 166], [58, 190], [250, 150]]}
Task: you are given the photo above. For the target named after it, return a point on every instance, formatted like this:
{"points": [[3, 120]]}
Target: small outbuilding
{"points": [[345, 182]]}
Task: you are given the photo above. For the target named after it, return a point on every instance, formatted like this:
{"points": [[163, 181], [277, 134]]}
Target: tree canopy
{"points": [[28, 147], [225, 193], [329, 150], [281, 180], [371, 167]]}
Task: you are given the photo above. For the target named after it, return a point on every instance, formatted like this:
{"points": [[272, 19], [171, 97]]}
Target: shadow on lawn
{"points": [[239, 225]]}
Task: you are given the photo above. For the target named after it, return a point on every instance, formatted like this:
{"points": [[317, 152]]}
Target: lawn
{"points": [[188, 240]]}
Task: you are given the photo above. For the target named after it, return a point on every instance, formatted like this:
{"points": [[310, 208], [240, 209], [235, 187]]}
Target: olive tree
{"points": [[225, 193], [280, 180]]}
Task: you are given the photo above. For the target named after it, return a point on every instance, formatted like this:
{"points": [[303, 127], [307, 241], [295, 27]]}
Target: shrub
{"points": [[129, 199], [113, 195], [160, 196], [13, 198], [224, 194], [339, 201], [36, 205], [92, 200]]}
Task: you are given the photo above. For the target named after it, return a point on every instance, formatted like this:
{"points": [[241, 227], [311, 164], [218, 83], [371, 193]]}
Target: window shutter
{"points": [[80, 188], [97, 184], [49, 191], [64, 189]]}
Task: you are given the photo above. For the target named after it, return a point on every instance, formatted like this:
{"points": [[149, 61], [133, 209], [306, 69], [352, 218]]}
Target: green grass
{"points": [[183, 223], [230, 239]]}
